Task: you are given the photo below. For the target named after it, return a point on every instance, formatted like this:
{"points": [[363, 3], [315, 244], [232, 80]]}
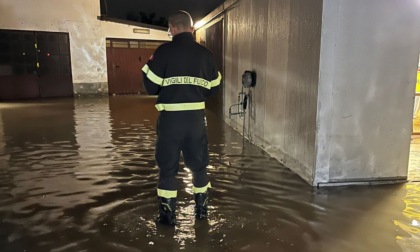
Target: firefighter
{"points": [[183, 74]]}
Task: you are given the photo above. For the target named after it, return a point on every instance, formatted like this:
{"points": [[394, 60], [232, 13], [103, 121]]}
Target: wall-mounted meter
{"points": [[249, 79]]}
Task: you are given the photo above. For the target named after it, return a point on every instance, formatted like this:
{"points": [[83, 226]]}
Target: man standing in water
{"points": [[183, 74]]}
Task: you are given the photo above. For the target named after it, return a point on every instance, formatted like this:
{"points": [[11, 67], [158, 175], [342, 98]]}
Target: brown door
{"points": [[214, 42], [125, 59], [34, 65]]}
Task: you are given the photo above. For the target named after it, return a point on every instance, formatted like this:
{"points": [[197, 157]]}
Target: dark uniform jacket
{"points": [[183, 73]]}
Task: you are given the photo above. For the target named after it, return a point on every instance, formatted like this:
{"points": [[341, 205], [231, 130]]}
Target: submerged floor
{"points": [[80, 175], [414, 162]]}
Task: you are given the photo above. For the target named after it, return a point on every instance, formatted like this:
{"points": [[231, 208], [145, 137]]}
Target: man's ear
{"points": [[174, 30]]}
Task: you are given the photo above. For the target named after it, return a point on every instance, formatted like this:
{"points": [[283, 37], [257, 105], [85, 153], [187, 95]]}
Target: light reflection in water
{"points": [[81, 176], [409, 236]]}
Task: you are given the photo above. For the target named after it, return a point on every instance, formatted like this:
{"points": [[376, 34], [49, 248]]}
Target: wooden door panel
{"points": [[214, 42], [146, 54], [112, 76], [124, 67]]}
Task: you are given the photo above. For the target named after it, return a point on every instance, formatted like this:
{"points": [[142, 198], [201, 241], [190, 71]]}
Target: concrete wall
{"points": [[369, 56], [280, 40], [87, 34]]}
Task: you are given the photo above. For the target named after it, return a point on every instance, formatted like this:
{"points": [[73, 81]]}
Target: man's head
{"points": [[180, 21]]}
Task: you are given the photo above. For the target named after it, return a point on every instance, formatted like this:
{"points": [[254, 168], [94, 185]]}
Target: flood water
{"points": [[80, 175]]}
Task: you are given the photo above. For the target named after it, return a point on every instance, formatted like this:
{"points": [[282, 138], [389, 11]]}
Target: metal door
{"points": [[17, 65], [54, 70], [125, 59], [34, 65]]}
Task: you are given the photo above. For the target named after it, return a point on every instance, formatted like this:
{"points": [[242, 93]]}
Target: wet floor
{"points": [[414, 162], [80, 175]]}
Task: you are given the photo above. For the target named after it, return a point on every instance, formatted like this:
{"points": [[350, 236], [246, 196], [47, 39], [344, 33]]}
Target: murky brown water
{"points": [[80, 175]]}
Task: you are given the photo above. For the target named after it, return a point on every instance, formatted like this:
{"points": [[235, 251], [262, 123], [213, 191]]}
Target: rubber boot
{"points": [[201, 204], [167, 211]]}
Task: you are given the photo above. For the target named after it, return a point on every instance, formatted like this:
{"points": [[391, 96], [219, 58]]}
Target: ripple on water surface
{"points": [[80, 175]]}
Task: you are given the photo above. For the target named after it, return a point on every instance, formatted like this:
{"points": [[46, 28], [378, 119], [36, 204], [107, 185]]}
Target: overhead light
{"points": [[199, 24], [141, 30]]}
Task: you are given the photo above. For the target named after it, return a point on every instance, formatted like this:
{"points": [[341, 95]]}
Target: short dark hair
{"points": [[181, 19]]}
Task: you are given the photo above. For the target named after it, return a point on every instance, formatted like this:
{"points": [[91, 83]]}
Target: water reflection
{"points": [[3, 161], [409, 233], [80, 175]]}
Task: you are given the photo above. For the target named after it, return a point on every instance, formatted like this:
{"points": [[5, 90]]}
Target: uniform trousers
{"points": [[181, 131]]}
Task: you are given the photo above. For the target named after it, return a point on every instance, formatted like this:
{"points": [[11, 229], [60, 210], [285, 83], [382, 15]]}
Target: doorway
{"points": [[125, 59], [34, 65], [414, 160]]}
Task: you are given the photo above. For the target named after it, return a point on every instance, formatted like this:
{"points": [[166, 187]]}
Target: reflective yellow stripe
{"points": [[152, 76], [216, 82], [187, 80], [166, 194], [180, 106], [201, 189]]}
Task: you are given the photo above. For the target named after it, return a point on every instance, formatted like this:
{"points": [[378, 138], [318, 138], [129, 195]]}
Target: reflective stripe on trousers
{"points": [[180, 106]]}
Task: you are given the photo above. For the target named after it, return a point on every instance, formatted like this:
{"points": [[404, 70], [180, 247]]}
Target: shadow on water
{"points": [[80, 175]]}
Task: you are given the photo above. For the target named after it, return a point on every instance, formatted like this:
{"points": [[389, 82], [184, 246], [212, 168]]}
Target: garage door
{"points": [[34, 65], [125, 59]]}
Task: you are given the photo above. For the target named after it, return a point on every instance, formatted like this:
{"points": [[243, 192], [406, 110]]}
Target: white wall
{"points": [[369, 56], [87, 34]]}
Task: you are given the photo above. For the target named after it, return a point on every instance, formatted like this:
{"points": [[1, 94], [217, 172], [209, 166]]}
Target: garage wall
{"points": [[280, 41], [335, 86]]}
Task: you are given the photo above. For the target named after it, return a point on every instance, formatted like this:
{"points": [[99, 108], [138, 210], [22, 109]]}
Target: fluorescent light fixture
{"points": [[141, 30]]}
